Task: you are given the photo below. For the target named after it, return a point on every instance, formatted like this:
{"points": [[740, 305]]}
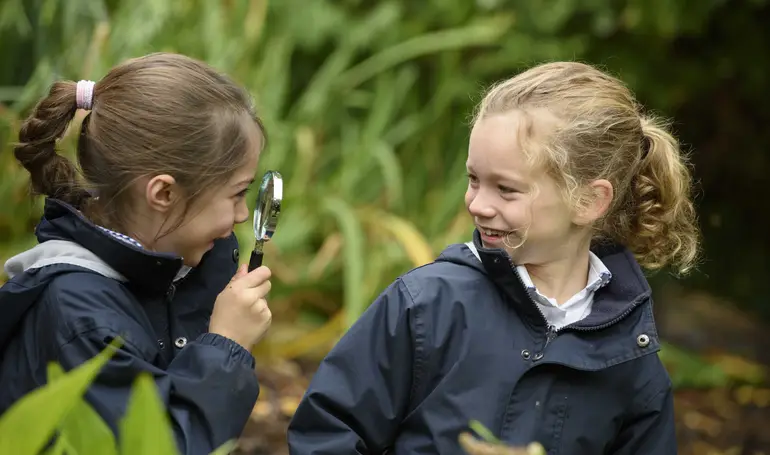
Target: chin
{"points": [[196, 256], [516, 254], [192, 262]]}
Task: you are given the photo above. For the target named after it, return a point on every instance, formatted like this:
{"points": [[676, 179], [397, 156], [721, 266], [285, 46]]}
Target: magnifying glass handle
{"points": [[256, 260]]}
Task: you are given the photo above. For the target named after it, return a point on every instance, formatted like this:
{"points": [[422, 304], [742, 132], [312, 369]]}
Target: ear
{"points": [[594, 203], [162, 193]]}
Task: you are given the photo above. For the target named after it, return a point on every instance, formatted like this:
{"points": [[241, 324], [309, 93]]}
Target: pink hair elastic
{"points": [[84, 96]]}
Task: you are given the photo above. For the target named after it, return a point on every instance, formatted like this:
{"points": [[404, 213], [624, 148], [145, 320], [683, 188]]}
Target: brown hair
{"points": [[158, 114], [601, 133]]}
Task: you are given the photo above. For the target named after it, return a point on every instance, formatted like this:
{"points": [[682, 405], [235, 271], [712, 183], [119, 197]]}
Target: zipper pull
{"points": [[550, 335], [552, 332], [170, 293]]}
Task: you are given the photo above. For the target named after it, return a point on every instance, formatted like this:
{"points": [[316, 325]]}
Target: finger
{"points": [[262, 309], [256, 277], [242, 270], [258, 292]]}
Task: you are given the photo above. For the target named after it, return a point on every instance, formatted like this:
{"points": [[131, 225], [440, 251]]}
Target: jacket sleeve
{"points": [[360, 393], [209, 388], [651, 430]]}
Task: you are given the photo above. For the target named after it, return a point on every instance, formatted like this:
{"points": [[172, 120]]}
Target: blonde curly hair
{"points": [[601, 133]]}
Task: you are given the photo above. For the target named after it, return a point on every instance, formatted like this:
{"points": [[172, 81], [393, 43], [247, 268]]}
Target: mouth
{"points": [[491, 235]]}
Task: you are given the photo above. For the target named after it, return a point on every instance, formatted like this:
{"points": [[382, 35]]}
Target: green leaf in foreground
{"points": [[83, 431], [226, 448], [483, 431], [146, 428], [31, 422]]}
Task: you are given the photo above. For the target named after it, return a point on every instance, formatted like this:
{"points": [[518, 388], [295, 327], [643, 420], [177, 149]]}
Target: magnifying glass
{"points": [[266, 214]]}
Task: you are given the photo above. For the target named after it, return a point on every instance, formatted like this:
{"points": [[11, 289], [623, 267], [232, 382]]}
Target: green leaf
{"points": [[485, 33], [146, 428], [688, 369], [55, 372], [391, 172], [31, 422], [83, 430], [87, 433], [226, 448], [354, 262], [483, 431]]}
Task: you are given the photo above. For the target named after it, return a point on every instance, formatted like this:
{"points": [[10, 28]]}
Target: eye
{"points": [[506, 190], [242, 194], [472, 178]]}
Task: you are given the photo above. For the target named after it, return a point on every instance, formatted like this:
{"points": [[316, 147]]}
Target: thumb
{"points": [[241, 272]]}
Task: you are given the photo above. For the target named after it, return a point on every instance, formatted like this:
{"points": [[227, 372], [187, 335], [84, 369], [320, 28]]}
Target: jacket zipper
{"points": [[170, 292], [552, 332]]}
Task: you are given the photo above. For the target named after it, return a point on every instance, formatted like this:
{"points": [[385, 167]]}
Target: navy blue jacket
{"points": [[80, 287], [460, 339]]}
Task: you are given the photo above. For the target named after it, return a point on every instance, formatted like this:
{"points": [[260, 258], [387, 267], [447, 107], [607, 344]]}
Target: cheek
{"points": [[517, 212], [551, 220], [469, 195], [217, 221], [225, 216]]}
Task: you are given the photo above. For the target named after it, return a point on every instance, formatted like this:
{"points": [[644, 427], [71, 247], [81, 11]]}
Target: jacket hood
{"points": [[28, 279], [58, 252], [68, 242], [153, 272], [627, 289]]}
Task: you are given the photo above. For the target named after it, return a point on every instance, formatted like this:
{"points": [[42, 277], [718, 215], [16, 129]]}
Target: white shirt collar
{"points": [[574, 309], [579, 305]]}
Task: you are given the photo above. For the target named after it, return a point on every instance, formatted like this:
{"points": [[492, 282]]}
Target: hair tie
{"points": [[84, 96]]}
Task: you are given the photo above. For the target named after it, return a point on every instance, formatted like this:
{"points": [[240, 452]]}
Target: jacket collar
{"points": [[627, 289], [150, 271]]}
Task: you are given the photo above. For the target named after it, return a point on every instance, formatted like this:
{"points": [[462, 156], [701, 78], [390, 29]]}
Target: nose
{"points": [[479, 205], [241, 212]]}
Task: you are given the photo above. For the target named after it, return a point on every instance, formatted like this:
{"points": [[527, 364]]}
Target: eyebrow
{"points": [[246, 181], [499, 176]]}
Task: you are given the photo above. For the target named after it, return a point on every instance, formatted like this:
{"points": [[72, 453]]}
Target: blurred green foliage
{"points": [[59, 409], [367, 106]]}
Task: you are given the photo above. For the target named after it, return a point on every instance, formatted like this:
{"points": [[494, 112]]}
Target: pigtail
{"points": [[663, 229], [51, 174]]}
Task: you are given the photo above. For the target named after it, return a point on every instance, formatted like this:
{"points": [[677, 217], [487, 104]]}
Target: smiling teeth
{"points": [[492, 233]]}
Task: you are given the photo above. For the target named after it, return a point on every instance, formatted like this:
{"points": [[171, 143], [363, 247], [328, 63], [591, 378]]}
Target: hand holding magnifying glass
{"points": [[241, 312]]}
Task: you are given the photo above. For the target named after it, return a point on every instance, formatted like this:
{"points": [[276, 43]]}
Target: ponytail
{"points": [[51, 174], [664, 229]]}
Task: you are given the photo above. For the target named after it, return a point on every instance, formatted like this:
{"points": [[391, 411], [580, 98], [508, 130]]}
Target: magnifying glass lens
{"points": [[266, 212]]}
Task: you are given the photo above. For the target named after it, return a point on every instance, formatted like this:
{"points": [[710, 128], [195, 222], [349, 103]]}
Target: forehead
{"points": [[512, 141], [496, 144], [248, 167]]}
